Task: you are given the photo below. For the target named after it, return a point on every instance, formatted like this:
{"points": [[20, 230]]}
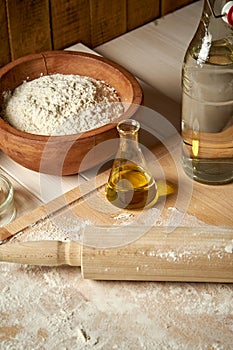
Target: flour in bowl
{"points": [[61, 104]]}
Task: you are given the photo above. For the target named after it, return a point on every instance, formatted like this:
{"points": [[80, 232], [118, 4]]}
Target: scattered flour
{"points": [[171, 217], [229, 248], [61, 104], [54, 308]]}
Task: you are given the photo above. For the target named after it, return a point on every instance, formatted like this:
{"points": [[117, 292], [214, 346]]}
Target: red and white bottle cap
{"points": [[227, 12]]}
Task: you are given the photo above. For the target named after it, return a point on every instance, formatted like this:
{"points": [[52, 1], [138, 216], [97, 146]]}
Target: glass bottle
{"points": [[130, 184], [207, 99]]}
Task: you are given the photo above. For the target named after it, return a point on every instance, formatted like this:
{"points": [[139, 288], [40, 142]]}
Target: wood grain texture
{"points": [[172, 5], [35, 26], [51, 208], [70, 22], [108, 20], [146, 52], [42, 253], [4, 39], [150, 254], [185, 254], [29, 27], [139, 13], [210, 204]]}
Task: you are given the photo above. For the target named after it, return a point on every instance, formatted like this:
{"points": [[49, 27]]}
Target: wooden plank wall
{"points": [[33, 26]]}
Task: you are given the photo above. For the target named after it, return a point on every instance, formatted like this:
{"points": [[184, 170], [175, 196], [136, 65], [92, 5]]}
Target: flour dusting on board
{"points": [[153, 217], [69, 227], [229, 248]]}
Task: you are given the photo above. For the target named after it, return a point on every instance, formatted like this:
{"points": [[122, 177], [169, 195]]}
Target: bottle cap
{"points": [[230, 16], [227, 12]]}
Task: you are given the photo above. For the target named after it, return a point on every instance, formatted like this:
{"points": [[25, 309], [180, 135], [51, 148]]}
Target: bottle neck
{"points": [[213, 40], [214, 20]]}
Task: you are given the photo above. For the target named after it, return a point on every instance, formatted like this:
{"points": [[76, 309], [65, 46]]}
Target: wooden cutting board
{"points": [[179, 198], [181, 203]]}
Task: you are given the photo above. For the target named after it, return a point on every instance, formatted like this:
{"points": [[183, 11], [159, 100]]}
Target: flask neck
{"points": [[129, 149], [128, 132]]}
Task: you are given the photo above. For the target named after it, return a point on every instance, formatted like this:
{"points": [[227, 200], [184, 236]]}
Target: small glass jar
{"points": [[7, 207]]}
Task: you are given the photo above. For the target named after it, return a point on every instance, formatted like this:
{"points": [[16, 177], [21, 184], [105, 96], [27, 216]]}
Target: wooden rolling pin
{"points": [[126, 253]]}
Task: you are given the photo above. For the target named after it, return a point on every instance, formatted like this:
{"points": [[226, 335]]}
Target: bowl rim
{"points": [[133, 106]]}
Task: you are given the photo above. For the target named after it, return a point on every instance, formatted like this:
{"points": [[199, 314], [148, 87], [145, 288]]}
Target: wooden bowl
{"points": [[64, 154]]}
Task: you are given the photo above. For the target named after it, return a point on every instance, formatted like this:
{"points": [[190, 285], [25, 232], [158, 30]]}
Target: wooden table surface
{"points": [[48, 308]]}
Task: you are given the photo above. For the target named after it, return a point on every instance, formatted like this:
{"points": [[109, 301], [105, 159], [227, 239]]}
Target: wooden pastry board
{"points": [[180, 198]]}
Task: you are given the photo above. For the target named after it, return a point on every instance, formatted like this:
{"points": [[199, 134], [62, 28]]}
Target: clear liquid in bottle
{"points": [[207, 113]]}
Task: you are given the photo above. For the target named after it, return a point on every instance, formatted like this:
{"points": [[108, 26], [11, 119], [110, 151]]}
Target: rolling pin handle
{"points": [[42, 253]]}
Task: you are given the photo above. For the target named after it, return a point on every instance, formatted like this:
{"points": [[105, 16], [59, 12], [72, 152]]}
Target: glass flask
{"points": [[130, 184], [207, 98]]}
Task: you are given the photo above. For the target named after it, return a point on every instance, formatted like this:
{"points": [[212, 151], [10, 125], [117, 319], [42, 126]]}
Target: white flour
{"points": [[56, 309], [61, 104]]}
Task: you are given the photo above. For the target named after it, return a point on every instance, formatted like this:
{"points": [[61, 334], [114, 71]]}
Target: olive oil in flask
{"points": [[130, 184]]}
